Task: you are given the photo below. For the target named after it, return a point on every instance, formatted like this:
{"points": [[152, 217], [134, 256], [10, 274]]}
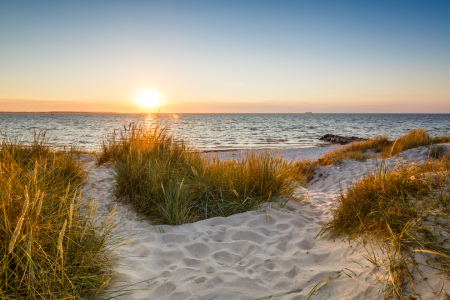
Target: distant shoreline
{"points": [[181, 113], [61, 112]]}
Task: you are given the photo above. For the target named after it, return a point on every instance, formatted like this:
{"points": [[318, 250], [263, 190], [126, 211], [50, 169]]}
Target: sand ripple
{"points": [[248, 255]]}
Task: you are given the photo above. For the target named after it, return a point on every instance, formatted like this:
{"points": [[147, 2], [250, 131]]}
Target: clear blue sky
{"points": [[226, 56]]}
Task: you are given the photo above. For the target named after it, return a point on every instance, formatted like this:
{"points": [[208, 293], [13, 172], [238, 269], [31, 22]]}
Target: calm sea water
{"points": [[221, 131]]}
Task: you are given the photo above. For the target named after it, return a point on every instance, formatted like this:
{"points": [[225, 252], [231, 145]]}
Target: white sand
{"points": [[253, 254], [289, 154]]}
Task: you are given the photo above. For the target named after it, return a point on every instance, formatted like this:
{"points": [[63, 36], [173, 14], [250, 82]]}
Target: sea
{"points": [[215, 132]]}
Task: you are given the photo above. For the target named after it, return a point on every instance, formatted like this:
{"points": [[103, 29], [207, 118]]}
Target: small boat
{"points": [[308, 112]]}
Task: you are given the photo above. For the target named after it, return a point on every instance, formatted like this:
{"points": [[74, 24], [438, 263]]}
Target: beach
{"points": [[221, 150], [275, 251]]}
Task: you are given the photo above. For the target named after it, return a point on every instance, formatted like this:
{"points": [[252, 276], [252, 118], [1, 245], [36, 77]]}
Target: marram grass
{"points": [[48, 248], [406, 210], [381, 201], [171, 184], [381, 146], [414, 139]]}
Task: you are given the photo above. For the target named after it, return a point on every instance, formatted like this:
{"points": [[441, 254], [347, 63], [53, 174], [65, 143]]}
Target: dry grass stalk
{"points": [[60, 240], [40, 220], [19, 223]]}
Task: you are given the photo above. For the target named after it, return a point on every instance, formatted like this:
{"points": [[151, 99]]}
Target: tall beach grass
{"points": [[171, 184], [402, 211], [381, 146], [406, 210], [49, 249]]}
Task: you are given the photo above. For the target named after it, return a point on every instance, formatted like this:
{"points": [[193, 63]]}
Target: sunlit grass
{"points": [[356, 150], [413, 139], [171, 184], [402, 211], [381, 147], [49, 249], [406, 209], [304, 170], [52, 247]]}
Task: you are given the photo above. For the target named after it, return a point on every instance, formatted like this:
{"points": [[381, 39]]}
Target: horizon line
{"points": [[164, 113]]}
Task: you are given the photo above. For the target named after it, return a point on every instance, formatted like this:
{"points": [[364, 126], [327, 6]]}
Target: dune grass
{"points": [[356, 151], [304, 170], [439, 152], [171, 184], [48, 248], [404, 211], [406, 208], [414, 139], [381, 146]]}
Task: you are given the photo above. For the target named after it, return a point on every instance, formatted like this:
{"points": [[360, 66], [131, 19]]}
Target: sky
{"points": [[229, 56]]}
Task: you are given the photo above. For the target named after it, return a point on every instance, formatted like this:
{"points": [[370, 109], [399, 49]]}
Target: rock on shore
{"points": [[341, 139]]}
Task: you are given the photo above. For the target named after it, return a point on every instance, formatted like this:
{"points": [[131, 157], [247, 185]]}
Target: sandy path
{"points": [[249, 255]]}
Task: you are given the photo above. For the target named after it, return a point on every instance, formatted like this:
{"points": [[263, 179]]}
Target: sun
{"points": [[148, 98]]}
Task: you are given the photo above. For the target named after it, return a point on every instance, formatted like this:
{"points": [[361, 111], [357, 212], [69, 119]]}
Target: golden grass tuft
{"points": [[48, 249], [414, 139], [381, 200], [171, 184], [304, 170], [406, 208], [381, 146], [356, 150], [404, 211]]}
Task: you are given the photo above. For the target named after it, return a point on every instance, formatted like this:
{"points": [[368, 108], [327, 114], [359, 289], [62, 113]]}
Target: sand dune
{"points": [[256, 254]]}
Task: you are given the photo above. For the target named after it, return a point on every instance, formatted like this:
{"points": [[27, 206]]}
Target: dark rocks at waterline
{"points": [[340, 139]]}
